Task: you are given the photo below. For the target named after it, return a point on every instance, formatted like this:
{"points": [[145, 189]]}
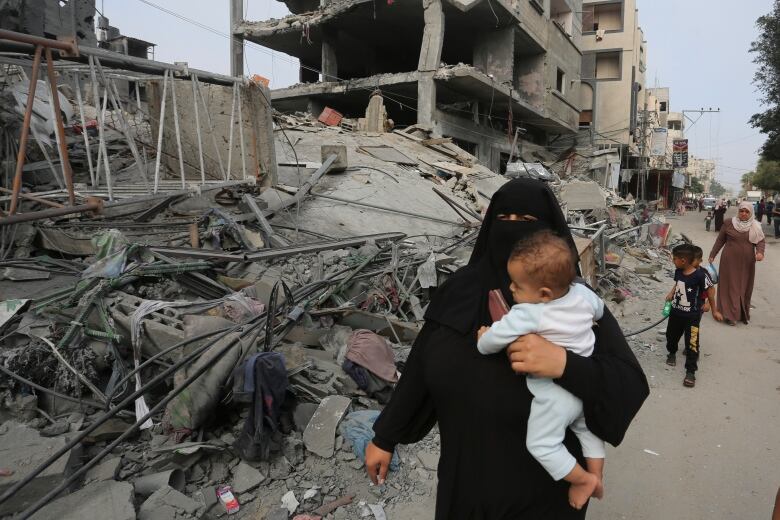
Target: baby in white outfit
{"points": [[548, 303]]}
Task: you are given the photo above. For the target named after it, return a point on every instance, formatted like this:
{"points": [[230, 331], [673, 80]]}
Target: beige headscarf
{"points": [[753, 228]]}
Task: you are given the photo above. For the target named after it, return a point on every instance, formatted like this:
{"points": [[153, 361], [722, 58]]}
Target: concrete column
{"points": [[430, 57], [330, 62], [236, 42]]}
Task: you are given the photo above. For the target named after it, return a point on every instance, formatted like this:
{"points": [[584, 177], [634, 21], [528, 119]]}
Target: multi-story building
{"points": [[473, 70], [703, 169], [613, 74]]}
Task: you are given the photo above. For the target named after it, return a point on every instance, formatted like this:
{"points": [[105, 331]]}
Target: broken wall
{"points": [[51, 18], [260, 157], [563, 55]]}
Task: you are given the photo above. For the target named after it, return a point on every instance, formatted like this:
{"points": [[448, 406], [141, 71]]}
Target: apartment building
{"points": [[613, 74], [473, 70]]}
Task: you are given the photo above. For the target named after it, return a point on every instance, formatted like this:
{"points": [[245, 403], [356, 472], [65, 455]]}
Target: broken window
{"points": [[586, 118], [468, 146], [608, 65], [662, 106], [561, 14], [560, 81], [606, 17]]}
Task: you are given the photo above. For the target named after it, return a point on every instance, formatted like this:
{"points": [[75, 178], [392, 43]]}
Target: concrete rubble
{"points": [[142, 331]]}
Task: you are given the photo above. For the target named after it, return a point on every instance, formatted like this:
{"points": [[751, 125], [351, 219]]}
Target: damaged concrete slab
{"points": [[22, 449], [109, 499]]}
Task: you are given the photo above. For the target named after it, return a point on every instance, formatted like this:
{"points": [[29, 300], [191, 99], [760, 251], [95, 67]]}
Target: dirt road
{"points": [[713, 451]]}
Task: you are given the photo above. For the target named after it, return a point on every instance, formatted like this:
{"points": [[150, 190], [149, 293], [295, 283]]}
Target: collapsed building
{"points": [[475, 71], [162, 228]]}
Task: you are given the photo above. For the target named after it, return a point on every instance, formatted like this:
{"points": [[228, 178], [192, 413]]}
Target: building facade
{"points": [[613, 74], [473, 70]]}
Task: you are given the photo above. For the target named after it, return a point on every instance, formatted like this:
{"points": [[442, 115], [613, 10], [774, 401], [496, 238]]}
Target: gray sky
{"points": [[698, 48]]}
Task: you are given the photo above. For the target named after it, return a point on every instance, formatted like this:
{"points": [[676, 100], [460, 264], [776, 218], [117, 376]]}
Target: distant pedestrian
{"points": [[720, 211], [743, 244], [776, 216], [760, 209], [690, 284], [708, 221], [728, 203], [770, 206], [701, 204]]}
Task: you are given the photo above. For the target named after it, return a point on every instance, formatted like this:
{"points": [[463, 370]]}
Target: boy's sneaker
{"points": [[690, 379], [671, 360]]}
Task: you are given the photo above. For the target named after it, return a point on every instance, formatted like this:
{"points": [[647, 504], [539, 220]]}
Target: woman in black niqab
{"points": [[481, 406]]}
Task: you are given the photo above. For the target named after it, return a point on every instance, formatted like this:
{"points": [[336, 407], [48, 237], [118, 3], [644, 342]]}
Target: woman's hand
{"points": [[377, 463], [532, 354], [711, 259], [759, 257]]}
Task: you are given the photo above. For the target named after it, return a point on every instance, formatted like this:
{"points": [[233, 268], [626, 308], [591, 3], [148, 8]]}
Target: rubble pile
{"points": [[224, 346]]}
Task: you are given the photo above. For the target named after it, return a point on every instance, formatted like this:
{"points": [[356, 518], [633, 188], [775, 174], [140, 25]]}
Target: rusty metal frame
{"points": [[41, 45]]}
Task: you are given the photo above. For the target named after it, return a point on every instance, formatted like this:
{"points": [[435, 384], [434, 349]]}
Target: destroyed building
{"points": [[475, 71], [162, 228]]}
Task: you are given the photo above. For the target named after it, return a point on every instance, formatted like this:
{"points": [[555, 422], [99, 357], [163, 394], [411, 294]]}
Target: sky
{"points": [[697, 48]]}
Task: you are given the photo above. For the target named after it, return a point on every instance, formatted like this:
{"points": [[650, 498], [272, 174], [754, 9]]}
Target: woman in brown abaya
{"points": [[743, 245]]}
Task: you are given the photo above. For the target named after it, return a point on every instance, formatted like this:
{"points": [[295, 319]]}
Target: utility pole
{"points": [[236, 41], [642, 184]]}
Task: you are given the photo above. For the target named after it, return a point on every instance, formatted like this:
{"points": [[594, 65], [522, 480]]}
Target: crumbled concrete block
{"points": [[166, 503], [320, 434], [302, 415], [22, 449], [108, 500], [645, 269], [106, 470], [108, 431], [246, 478], [279, 513], [429, 460]]}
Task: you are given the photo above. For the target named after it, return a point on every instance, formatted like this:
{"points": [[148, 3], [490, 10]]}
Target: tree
{"points": [[767, 79], [696, 185], [717, 189], [747, 181], [767, 175]]}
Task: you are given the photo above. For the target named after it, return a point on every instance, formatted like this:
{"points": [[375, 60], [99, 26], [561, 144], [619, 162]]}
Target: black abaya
{"points": [[485, 471]]}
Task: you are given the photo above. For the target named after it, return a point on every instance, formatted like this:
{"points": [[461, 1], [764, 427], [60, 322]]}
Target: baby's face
{"points": [[523, 289]]}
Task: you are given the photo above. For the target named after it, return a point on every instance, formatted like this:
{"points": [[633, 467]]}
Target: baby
{"points": [[548, 303]]}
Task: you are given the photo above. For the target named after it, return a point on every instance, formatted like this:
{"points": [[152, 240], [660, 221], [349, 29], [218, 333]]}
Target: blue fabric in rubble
{"points": [[357, 428]]}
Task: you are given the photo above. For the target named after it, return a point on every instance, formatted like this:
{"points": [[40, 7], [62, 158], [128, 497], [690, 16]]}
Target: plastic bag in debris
{"points": [[357, 428], [111, 252], [518, 170], [239, 308]]}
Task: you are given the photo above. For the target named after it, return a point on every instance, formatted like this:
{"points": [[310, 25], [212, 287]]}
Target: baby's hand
{"points": [[481, 331]]}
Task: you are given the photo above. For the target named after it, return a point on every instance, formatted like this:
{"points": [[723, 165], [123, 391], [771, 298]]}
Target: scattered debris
{"points": [[219, 324]]}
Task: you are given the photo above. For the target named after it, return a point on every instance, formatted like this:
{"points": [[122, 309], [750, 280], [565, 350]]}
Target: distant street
{"points": [[713, 451]]}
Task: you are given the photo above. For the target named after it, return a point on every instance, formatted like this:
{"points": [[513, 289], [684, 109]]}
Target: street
{"points": [[711, 451]]}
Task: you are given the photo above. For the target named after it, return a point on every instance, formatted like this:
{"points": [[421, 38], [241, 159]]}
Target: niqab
{"points": [[462, 302]]}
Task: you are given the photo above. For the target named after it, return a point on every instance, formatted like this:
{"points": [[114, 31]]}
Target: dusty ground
{"points": [[717, 446]]}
